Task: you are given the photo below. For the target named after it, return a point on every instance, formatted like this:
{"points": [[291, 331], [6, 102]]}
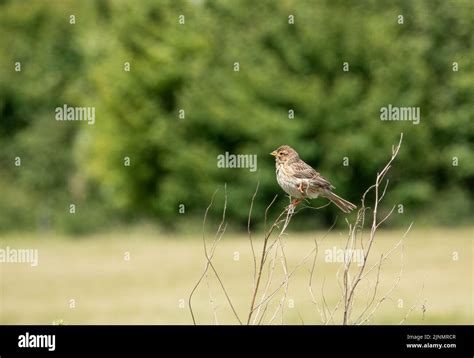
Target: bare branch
{"points": [[205, 252], [349, 287], [414, 306], [219, 233], [250, 234]]}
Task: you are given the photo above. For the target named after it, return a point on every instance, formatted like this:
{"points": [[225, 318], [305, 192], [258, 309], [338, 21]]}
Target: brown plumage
{"points": [[301, 181]]}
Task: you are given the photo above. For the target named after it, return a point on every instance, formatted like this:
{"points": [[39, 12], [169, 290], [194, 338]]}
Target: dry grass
{"points": [[163, 269]]}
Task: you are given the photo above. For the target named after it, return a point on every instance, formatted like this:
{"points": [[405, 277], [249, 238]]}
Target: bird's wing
{"points": [[301, 170]]}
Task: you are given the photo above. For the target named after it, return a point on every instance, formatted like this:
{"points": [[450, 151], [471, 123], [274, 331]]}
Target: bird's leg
{"points": [[293, 204], [296, 202]]}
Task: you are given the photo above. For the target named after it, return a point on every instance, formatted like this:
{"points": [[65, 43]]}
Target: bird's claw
{"points": [[294, 203]]}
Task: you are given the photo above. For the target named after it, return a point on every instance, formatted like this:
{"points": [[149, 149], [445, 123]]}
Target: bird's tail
{"points": [[341, 203]]}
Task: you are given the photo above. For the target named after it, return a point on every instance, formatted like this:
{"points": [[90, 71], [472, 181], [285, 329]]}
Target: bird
{"points": [[300, 181]]}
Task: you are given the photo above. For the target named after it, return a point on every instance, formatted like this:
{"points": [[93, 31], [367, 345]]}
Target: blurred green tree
{"points": [[168, 98]]}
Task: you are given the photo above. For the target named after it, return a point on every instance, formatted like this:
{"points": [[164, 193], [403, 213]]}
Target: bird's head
{"points": [[284, 153]]}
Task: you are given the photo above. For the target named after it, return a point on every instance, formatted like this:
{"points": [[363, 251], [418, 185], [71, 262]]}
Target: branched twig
{"points": [[219, 233], [250, 234], [350, 286], [264, 253], [414, 306]]}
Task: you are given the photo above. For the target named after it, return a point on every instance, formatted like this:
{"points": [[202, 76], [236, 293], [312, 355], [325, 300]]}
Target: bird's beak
{"points": [[274, 153]]}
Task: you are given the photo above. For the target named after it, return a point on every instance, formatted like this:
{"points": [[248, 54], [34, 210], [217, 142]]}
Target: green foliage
{"points": [[191, 67]]}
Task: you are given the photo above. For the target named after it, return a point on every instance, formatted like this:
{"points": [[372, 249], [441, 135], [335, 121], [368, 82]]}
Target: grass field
{"points": [[153, 286]]}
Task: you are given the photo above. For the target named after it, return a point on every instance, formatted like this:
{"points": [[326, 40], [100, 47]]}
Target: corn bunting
{"points": [[301, 181]]}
